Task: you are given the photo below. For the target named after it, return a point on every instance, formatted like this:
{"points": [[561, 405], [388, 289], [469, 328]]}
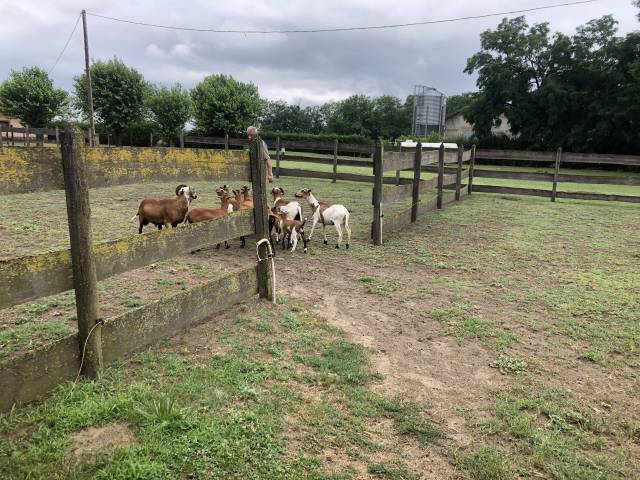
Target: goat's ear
{"points": [[281, 190], [179, 189]]}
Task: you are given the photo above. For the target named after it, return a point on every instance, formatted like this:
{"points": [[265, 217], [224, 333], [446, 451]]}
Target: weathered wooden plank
{"points": [[351, 177], [450, 157], [34, 374], [511, 190], [395, 193], [598, 179], [599, 196], [398, 160], [39, 169], [542, 177], [466, 156], [568, 157], [449, 179], [140, 328], [429, 158], [31, 277], [328, 160], [523, 155], [378, 172]]}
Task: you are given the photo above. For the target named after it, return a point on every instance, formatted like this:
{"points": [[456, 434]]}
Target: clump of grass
{"points": [[380, 285], [509, 365], [463, 324], [132, 302], [163, 282], [488, 463], [161, 413]]}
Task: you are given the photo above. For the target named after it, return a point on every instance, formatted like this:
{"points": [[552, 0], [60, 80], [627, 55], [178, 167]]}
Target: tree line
{"points": [[124, 101]]}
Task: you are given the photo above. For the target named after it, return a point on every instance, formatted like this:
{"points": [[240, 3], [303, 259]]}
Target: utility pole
{"points": [[87, 67]]}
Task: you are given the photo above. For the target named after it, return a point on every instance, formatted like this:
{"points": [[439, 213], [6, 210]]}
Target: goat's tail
{"points": [[134, 217], [299, 214]]}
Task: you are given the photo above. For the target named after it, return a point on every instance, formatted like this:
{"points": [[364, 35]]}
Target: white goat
{"points": [[292, 209], [327, 214]]}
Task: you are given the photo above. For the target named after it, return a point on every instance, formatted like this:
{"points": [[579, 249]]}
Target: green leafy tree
{"points": [[577, 92], [353, 115], [223, 105], [30, 96], [460, 103], [170, 109], [119, 94]]}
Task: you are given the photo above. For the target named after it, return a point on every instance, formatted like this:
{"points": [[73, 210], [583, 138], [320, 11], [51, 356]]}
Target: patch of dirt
{"points": [[408, 349], [115, 435]]}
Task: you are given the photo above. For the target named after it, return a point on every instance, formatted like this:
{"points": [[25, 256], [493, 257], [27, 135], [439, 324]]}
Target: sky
{"points": [[305, 69]]}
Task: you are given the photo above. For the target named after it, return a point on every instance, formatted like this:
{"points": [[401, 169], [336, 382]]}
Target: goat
{"points": [[328, 214], [291, 208], [165, 211], [226, 201], [292, 229], [197, 215]]}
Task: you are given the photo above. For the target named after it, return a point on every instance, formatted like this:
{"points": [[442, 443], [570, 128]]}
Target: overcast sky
{"points": [[298, 68]]}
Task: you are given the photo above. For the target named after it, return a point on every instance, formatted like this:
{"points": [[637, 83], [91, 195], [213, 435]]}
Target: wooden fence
{"points": [[458, 183], [26, 377], [556, 160], [28, 137]]}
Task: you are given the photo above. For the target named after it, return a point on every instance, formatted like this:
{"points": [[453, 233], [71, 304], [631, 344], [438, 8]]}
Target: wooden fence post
{"points": [[554, 189], [260, 215], [398, 149], [84, 270], [378, 162], [226, 142], [13, 139], [459, 172], [277, 157], [57, 136], [28, 138], [440, 175], [0, 135], [472, 165], [151, 139], [415, 191], [335, 160], [181, 139]]}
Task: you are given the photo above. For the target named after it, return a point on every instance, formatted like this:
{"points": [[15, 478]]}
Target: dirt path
{"points": [[417, 362]]}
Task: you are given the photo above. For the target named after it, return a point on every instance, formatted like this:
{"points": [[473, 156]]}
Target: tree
{"points": [[170, 109], [353, 115], [460, 103], [578, 92], [637, 4], [223, 105], [30, 96], [119, 94]]}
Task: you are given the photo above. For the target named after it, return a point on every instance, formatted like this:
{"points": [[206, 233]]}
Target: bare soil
{"points": [[92, 439]]}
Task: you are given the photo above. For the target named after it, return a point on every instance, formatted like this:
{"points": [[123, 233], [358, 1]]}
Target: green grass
{"points": [[379, 285], [244, 413]]}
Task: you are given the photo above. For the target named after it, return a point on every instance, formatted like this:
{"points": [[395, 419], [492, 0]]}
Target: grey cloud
{"points": [[308, 69]]}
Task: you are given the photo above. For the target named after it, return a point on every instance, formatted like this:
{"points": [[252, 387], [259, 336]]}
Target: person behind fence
{"points": [[252, 132]]}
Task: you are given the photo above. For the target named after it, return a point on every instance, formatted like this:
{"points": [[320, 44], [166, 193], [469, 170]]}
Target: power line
{"points": [[65, 45], [345, 29]]}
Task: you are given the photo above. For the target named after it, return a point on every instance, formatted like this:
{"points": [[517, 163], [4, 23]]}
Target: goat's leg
{"points": [[140, 228], [324, 234], [339, 234], [304, 240], [226, 244], [242, 242], [315, 221], [348, 229], [294, 237]]}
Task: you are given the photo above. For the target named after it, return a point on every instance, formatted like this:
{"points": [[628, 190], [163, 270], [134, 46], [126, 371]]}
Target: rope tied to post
{"points": [[270, 255]]}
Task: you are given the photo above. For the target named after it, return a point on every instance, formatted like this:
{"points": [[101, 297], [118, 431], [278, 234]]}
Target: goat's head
{"points": [[277, 192], [304, 193], [245, 190], [187, 191], [222, 191]]}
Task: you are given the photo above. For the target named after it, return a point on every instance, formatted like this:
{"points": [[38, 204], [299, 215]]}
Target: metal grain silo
{"points": [[429, 110]]}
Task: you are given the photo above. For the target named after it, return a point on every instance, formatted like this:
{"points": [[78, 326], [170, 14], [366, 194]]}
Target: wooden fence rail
{"points": [[99, 341]]}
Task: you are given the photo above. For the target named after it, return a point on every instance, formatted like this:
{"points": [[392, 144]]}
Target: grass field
{"points": [[497, 339]]}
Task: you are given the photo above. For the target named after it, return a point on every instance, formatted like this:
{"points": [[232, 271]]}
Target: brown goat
{"points": [[165, 211], [291, 229]]}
